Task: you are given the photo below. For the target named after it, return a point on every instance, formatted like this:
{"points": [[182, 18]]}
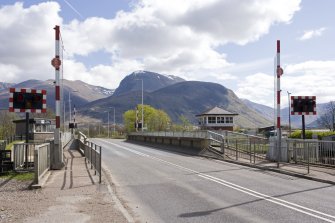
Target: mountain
{"points": [[151, 82], [187, 98], [80, 92], [296, 122], [4, 85], [264, 110]]}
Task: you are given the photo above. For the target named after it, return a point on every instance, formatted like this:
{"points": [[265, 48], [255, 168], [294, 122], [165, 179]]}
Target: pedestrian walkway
{"points": [[77, 195]]}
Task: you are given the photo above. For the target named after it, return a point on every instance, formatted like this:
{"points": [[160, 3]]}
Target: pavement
{"points": [[77, 194]]}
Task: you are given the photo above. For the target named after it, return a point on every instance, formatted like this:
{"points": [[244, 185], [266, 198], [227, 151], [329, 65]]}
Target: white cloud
{"points": [[310, 78], [257, 88], [309, 34], [174, 37], [26, 41]]}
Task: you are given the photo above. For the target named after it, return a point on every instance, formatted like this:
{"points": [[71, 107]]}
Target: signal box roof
{"points": [[216, 111]]}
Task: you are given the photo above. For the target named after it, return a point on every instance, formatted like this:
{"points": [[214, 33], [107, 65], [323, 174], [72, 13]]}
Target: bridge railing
{"points": [[231, 144], [238, 145], [182, 134], [92, 153]]}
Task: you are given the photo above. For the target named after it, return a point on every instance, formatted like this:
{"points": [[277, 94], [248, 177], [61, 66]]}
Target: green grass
{"points": [[10, 145], [297, 134], [27, 176]]}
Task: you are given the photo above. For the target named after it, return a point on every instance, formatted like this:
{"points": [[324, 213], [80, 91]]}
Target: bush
{"points": [[309, 134]]}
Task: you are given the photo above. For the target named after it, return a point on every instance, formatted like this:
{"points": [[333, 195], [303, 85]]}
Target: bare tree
{"points": [[327, 119]]}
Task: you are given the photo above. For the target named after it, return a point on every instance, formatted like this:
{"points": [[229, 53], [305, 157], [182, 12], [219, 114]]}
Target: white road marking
{"points": [[287, 204]]}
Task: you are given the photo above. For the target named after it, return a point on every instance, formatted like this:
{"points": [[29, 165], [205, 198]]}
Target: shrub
{"points": [[309, 134]]}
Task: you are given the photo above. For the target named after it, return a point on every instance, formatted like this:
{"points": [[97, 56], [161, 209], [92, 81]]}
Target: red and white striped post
{"points": [[57, 88], [56, 62], [279, 73]]}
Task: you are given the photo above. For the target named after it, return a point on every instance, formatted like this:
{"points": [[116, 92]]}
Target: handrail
{"points": [[92, 155], [41, 161]]}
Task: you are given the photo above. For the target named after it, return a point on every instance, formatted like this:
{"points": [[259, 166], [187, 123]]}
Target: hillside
{"points": [[151, 82], [4, 85], [268, 112], [81, 92], [187, 98]]}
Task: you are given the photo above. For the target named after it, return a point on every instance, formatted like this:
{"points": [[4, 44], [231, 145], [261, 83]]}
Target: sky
{"points": [[230, 42]]}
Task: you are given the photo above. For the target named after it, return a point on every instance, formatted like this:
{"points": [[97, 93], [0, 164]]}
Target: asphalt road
{"points": [[163, 186]]}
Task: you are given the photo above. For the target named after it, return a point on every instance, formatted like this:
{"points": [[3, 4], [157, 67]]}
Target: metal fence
{"points": [[23, 153], [238, 145], [6, 163], [183, 134], [24, 156], [66, 138], [4, 142], [92, 153], [41, 161], [316, 152]]}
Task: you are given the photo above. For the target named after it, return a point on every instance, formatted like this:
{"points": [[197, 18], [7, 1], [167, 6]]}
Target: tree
{"points": [[154, 119], [327, 119], [7, 127], [185, 122]]}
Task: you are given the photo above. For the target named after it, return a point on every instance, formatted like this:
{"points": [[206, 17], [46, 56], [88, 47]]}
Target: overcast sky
{"points": [[230, 42]]}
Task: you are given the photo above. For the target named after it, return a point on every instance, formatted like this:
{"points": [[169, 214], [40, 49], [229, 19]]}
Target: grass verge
{"points": [[10, 145], [18, 176]]}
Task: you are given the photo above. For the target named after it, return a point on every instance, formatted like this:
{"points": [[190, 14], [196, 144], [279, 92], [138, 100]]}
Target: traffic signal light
{"points": [[27, 100], [303, 105]]}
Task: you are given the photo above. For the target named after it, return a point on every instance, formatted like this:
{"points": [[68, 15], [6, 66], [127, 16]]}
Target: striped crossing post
{"points": [[279, 73], [56, 62]]}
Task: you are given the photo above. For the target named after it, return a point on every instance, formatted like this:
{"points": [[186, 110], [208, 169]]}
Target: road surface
{"points": [[164, 186]]}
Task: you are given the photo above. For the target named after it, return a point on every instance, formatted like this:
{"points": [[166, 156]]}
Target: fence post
{"points": [[91, 148], [308, 156], [254, 151], [95, 159], [236, 149], [250, 149], [222, 145], [36, 163]]}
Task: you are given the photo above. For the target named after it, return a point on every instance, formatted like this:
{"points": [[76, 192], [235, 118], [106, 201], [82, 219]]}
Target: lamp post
{"points": [[114, 120], [289, 113], [70, 104], [108, 124], [142, 106]]}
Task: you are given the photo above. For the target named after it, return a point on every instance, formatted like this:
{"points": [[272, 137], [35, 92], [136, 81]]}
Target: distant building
{"points": [[216, 119], [40, 129]]}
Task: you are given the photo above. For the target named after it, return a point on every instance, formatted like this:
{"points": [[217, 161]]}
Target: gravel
{"points": [[20, 204]]}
